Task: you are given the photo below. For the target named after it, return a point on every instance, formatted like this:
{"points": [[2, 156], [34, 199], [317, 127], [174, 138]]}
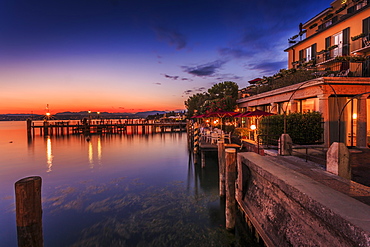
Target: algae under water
{"points": [[113, 190]]}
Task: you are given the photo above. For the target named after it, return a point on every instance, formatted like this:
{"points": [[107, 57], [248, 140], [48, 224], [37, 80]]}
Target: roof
{"points": [[255, 80]]}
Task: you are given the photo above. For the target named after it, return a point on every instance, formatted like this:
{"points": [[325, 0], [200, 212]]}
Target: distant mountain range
{"points": [[79, 115]]}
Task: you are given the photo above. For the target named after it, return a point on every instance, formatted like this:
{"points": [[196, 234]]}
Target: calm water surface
{"points": [[114, 190]]}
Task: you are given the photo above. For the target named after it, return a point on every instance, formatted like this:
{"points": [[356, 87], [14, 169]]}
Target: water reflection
{"points": [[91, 155], [99, 149], [49, 154]]}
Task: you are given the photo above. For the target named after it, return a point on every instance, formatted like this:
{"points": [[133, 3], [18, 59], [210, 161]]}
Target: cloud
{"points": [[235, 52], [229, 77], [194, 90], [267, 68], [208, 69], [158, 83], [172, 37], [176, 77]]}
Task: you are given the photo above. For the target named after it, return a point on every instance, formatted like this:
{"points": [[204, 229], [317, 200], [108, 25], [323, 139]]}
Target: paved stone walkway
{"points": [[360, 164], [314, 167]]}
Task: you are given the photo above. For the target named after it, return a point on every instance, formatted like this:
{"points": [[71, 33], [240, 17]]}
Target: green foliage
{"points": [[195, 102], [303, 128], [283, 78], [240, 132], [221, 96]]}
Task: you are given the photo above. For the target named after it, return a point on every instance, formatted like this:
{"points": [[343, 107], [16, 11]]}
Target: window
{"points": [[308, 52], [284, 106], [338, 40], [361, 5], [309, 105]]}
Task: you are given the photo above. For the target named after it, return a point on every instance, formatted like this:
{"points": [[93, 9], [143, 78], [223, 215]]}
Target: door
{"points": [[338, 40]]}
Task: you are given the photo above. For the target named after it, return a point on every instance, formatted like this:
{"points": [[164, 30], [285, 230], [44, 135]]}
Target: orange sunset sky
{"points": [[132, 56]]}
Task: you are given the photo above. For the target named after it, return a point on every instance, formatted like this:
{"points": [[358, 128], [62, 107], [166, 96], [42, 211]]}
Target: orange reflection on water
{"points": [[91, 155], [49, 154]]}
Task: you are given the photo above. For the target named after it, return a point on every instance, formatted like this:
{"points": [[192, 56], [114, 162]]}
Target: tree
{"points": [[195, 102], [222, 96]]}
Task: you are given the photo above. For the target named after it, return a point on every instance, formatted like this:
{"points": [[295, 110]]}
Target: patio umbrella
{"points": [[258, 113], [221, 114], [243, 114]]}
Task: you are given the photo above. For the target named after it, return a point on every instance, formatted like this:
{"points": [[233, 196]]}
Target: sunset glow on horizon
{"points": [[119, 56]]}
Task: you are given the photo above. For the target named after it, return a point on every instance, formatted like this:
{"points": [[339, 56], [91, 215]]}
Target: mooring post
{"points": [[196, 142], [29, 124], [230, 188], [29, 212], [221, 166], [46, 128]]}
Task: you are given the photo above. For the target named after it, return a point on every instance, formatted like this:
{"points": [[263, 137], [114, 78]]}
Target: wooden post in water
{"points": [[221, 166], [46, 128], [29, 124], [29, 212], [196, 142], [230, 188]]}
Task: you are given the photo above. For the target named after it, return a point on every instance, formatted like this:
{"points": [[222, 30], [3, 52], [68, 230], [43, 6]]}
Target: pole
{"points": [[221, 166], [29, 212], [230, 188]]}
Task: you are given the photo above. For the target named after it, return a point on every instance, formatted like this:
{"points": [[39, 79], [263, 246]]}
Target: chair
{"points": [[207, 136], [344, 73], [366, 41], [214, 137], [227, 137]]}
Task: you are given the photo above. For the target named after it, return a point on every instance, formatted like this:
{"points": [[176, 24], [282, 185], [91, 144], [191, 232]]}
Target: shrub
{"points": [[240, 132], [303, 128]]}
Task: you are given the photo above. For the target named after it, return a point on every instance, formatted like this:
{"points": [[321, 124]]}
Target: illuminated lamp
{"points": [[253, 127]]}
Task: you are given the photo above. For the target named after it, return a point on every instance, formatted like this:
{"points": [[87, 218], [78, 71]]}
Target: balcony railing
{"points": [[361, 45]]}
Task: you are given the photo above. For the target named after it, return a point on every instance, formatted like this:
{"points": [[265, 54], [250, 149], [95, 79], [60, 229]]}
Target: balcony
{"points": [[326, 66], [361, 45]]}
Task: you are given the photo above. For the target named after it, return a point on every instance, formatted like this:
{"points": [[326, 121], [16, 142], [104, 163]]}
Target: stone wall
{"points": [[290, 209]]}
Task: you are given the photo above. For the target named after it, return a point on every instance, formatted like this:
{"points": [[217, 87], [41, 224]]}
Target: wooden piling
{"points": [[196, 142], [221, 166], [46, 129], [29, 212], [230, 188], [29, 124]]}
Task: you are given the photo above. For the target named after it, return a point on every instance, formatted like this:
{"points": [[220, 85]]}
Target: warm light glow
{"points": [[354, 116], [253, 127], [49, 154], [98, 112], [91, 155], [89, 112], [99, 150], [48, 114]]}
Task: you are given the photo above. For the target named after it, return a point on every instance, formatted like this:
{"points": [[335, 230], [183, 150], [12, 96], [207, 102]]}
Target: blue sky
{"points": [[129, 56]]}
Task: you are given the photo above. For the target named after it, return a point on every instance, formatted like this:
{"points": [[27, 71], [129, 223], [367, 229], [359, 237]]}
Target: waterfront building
{"points": [[328, 71]]}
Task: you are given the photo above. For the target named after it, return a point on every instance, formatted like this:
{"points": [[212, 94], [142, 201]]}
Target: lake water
{"points": [[114, 190]]}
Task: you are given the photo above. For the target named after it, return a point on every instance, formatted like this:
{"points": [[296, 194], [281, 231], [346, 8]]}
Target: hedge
{"points": [[303, 128]]}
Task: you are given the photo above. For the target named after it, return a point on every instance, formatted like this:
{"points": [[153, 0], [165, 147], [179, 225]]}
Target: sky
{"points": [[141, 55]]}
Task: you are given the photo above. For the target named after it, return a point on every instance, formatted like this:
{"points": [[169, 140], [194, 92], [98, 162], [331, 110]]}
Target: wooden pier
{"points": [[102, 126]]}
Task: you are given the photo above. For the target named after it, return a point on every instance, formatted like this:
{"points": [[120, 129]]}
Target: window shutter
{"points": [[301, 55], [327, 45], [351, 10], [345, 47], [365, 26], [313, 51]]}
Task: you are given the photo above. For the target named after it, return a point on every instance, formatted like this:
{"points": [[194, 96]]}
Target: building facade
{"points": [[332, 51]]}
